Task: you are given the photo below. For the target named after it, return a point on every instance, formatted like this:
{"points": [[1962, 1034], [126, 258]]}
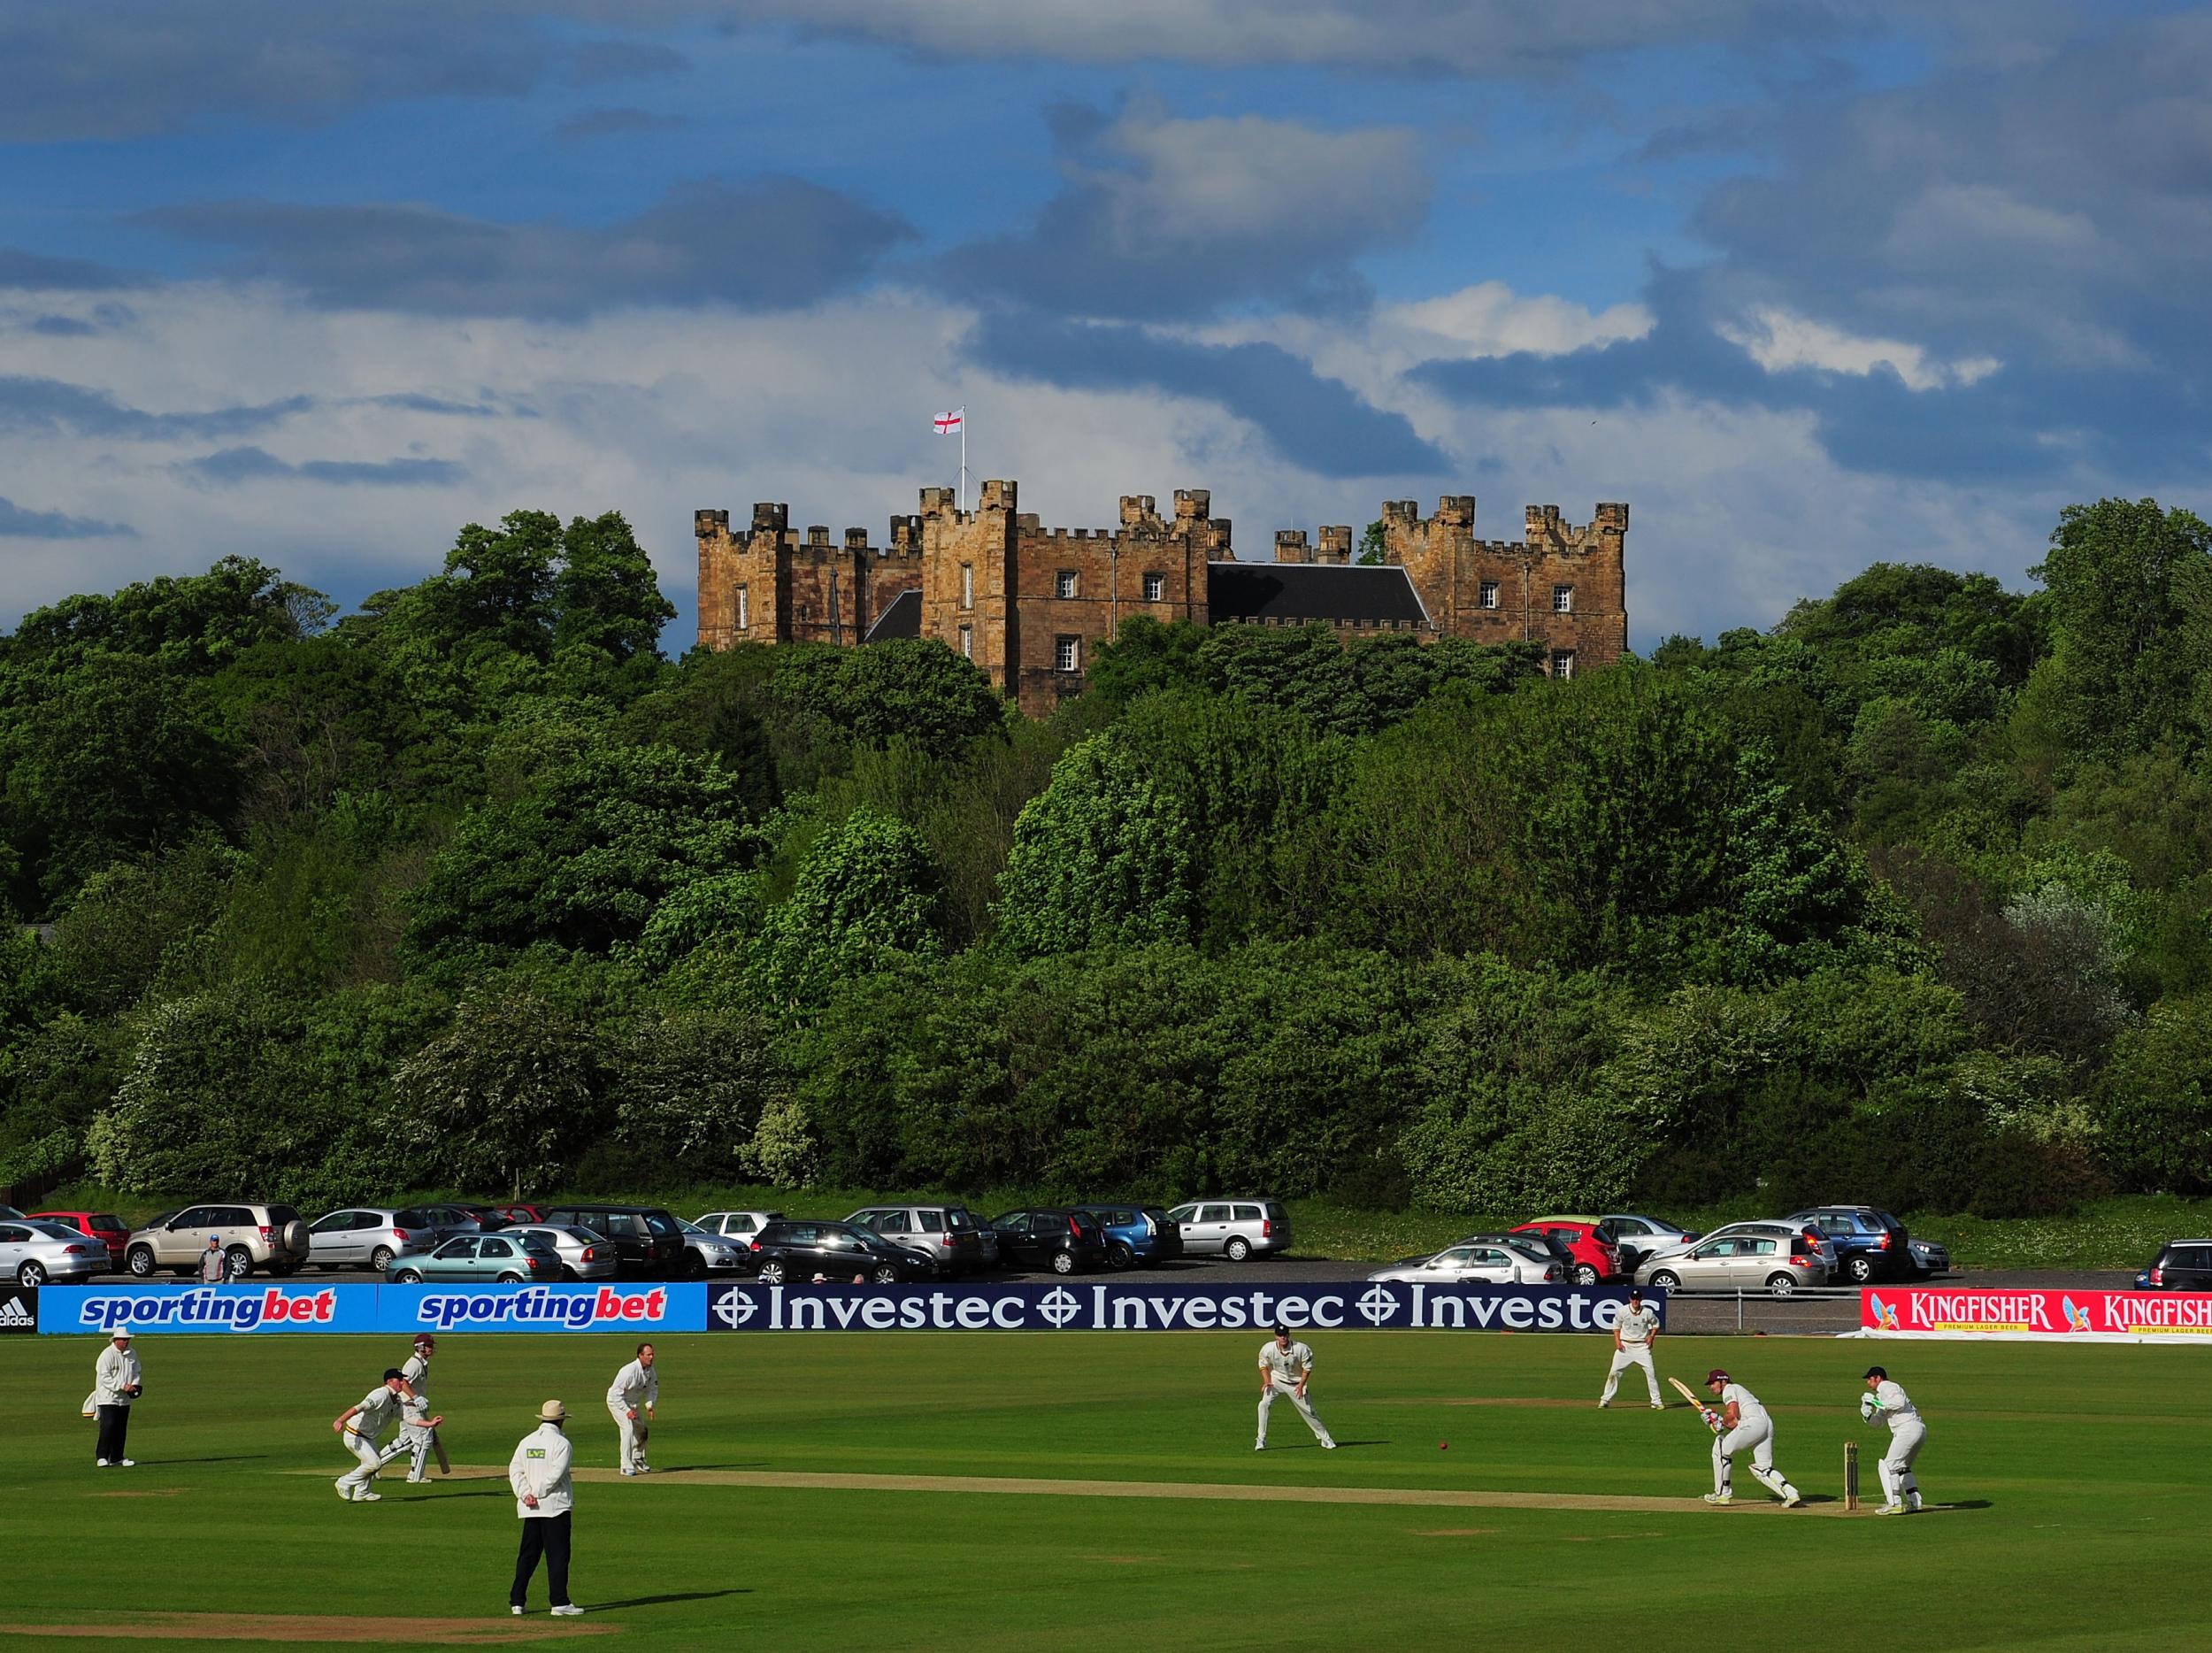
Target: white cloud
{"points": [[1779, 341]]}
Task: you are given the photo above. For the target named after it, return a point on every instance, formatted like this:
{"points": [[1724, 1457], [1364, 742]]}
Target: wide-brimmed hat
{"points": [[120, 1335], [552, 1413]]}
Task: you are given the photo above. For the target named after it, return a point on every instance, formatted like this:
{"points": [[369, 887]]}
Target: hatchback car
{"points": [[1055, 1237], [648, 1243], [508, 1259], [1137, 1236], [584, 1255], [1233, 1228], [946, 1232], [1640, 1240], [1595, 1256], [1778, 1258], [1869, 1244], [1494, 1259], [738, 1224], [253, 1236], [369, 1236], [796, 1252], [33, 1253], [2180, 1265], [105, 1226], [706, 1252]]}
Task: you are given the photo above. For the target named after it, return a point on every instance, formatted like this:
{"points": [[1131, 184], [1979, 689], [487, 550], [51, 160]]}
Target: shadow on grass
{"points": [[660, 1601], [679, 1469], [232, 1458]]}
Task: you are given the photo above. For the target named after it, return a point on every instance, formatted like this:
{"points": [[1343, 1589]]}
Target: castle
{"points": [[1028, 604]]}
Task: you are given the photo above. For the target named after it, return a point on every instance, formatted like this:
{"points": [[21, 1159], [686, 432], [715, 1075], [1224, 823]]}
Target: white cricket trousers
{"points": [[1900, 1485], [632, 1433], [1632, 1355], [1305, 1410], [1759, 1437], [354, 1482], [414, 1444]]}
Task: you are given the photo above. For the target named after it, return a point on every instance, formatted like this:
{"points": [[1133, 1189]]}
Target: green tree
{"points": [[867, 893], [2156, 1100], [507, 1096], [1102, 855], [914, 689], [605, 596]]}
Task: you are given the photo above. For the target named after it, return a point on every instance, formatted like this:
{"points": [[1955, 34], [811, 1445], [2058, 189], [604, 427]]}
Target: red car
{"points": [[105, 1226], [1595, 1255], [513, 1214]]}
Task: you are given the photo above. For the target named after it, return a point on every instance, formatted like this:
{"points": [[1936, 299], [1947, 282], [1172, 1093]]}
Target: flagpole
{"points": [[960, 493]]}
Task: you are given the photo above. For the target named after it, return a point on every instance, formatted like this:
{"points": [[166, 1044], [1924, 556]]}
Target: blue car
{"points": [[1137, 1236]]}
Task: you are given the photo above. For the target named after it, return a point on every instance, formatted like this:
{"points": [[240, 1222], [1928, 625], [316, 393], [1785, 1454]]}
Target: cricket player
{"points": [[1285, 1368], [1886, 1400], [544, 1498], [361, 1427], [1743, 1422], [117, 1381], [1634, 1335], [636, 1390], [417, 1435]]}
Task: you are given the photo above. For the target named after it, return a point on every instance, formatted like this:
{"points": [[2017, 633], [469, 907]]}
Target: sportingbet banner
{"points": [[1133, 1305], [2037, 1314], [259, 1308], [635, 1306]]}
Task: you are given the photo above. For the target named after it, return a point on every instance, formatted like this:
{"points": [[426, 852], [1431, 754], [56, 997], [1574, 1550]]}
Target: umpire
{"points": [[538, 1473]]}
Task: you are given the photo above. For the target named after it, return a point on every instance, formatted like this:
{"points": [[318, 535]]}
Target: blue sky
{"points": [[1809, 285]]}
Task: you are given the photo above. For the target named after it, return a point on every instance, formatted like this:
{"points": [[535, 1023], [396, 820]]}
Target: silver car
{"points": [[712, 1253], [33, 1253], [1771, 1257], [742, 1227], [584, 1255], [369, 1236], [1484, 1259], [949, 1233], [1233, 1228], [1642, 1239]]}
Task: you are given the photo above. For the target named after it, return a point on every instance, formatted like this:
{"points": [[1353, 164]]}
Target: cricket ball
{"points": [[1443, 1446]]}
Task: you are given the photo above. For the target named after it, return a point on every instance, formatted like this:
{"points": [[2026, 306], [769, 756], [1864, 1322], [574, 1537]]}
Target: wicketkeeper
{"points": [[1634, 1334], [1742, 1423], [1886, 1400]]}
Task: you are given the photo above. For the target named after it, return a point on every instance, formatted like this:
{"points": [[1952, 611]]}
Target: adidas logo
{"points": [[16, 1316]]}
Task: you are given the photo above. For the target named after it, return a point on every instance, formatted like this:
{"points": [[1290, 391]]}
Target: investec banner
{"points": [[404, 1309], [1121, 1305], [2133, 1317]]}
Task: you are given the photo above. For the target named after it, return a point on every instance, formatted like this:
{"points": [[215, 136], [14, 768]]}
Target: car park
{"points": [[369, 1236], [949, 1233], [1640, 1239], [1484, 1259], [270, 1237], [505, 1259], [1236, 1227], [110, 1230], [648, 1241], [1779, 1259], [706, 1252], [1137, 1236], [1869, 1244], [1055, 1237], [583, 1254], [35, 1253], [1595, 1256], [796, 1252], [2180, 1265]]}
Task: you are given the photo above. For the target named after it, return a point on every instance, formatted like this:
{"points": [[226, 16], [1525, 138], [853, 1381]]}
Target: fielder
{"points": [[636, 1390], [361, 1427], [1634, 1335], [1741, 1423], [1886, 1400], [418, 1436], [1285, 1368]]}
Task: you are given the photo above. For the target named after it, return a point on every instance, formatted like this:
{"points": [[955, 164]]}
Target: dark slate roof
{"points": [[1294, 593], [902, 618]]}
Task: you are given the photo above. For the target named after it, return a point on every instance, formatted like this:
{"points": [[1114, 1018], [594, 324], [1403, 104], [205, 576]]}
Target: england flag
{"points": [[948, 422]]}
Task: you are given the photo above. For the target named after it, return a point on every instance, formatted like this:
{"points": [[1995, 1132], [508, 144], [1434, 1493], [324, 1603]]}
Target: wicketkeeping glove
{"points": [[1867, 1407]]}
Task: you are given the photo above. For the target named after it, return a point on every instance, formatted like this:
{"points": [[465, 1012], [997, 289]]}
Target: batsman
{"points": [[1741, 1423]]}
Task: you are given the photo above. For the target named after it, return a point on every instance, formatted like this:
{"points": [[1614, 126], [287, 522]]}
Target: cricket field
{"points": [[997, 1493]]}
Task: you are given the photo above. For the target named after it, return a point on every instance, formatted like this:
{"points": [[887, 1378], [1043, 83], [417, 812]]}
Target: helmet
{"points": [[1717, 1375], [423, 1340]]}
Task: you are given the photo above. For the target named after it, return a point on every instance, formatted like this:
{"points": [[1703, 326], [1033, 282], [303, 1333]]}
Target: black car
{"points": [[2181, 1265], [648, 1243], [797, 1252], [1869, 1244], [1051, 1236]]}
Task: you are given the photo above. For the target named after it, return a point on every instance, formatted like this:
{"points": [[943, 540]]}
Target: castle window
{"points": [[1563, 599], [967, 643], [1156, 588], [967, 585], [1067, 654], [744, 609], [1064, 583], [1563, 663], [1489, 594]]}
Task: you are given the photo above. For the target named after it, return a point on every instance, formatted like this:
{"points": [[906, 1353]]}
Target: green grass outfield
{"points": [[2075, 1479]]}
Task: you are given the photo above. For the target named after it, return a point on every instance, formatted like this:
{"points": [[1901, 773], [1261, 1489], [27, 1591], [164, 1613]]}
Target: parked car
{"points": [[1928, 1257], [33, 1253], [450, 1220], [948, 1233], [1055, 1237], [1234, 1228], [706, 1252], [1137, 1236], [648, 1243], [105, 1226], [513, 1216], [1778, 1258], [509, 1259], [788, 1252], [1492, 1258], [270, 1237], [1595, 1257], [9, 1214], [738, 1224], [1640, 1240], [2180, 1265], [369, 1236], [583, 1254], [1869, 1244]]}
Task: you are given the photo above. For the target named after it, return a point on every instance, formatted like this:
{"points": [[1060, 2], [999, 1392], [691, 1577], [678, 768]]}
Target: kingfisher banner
{"points": [[1129, 1305], [2035, 1313]]}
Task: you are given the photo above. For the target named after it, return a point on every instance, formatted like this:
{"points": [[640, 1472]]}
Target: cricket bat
{"points": [[1690, 1394], [437, 1445]]}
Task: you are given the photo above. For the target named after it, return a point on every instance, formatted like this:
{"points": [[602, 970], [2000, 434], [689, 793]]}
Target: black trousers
{"points": [[115, 1423], [544, 1535]]}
